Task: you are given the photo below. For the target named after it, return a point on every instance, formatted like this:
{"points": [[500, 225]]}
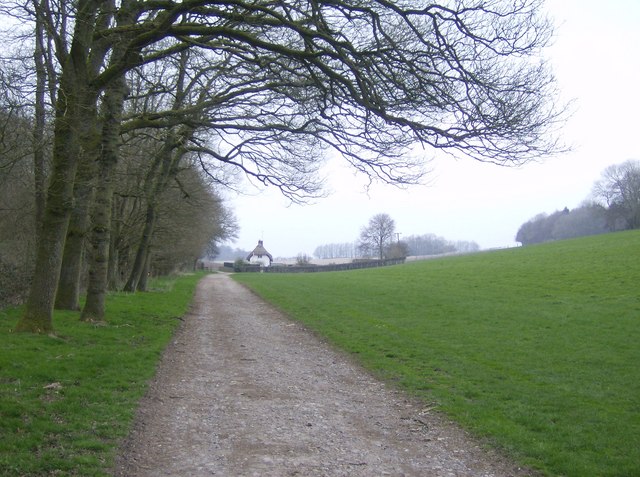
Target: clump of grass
{"points": [[66, 401], [534, 348]]}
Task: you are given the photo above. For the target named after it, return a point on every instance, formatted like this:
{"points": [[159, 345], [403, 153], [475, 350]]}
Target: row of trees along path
{"points": [[267, 89]]}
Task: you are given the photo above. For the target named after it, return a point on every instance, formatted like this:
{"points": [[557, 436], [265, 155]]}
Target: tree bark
{"points": [[39, 173], [144, 277], [68, 296], [168, 158], [73, 112], [141, 253], [113, 273], [94, 308]]}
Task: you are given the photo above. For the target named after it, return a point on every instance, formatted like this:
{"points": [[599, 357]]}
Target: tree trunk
{"points": [[94, 308], [72, 111], [118, 249], [155, 183], [142, 252], [144, 277], [75, 114], [163, 169], [39, 174], [68, 296], [113, 272]]}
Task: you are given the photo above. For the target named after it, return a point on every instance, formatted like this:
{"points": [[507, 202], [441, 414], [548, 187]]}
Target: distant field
{"points": [[535, 348]]}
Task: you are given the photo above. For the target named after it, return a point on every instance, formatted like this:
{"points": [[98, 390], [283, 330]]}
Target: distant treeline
{"points": [[227, 253], [430, 244], [337, 250], [564, 224], [415, 245], [614, 205]]}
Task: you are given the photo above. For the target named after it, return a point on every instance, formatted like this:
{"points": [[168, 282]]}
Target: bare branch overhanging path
{"points": [[244, 391]]}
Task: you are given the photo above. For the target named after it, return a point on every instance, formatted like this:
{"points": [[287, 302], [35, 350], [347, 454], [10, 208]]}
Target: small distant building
{"points": [[260, 255]]}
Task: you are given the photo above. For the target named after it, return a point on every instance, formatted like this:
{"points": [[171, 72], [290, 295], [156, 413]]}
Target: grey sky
{"points": [[596, 59]]}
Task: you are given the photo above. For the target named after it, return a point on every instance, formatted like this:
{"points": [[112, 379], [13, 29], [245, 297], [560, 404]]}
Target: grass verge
{"points": [[67, 401], [536, 348]]}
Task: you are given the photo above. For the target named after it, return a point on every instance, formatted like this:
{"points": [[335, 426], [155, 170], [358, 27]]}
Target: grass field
{"points": [[536, 348], [66, 401]]}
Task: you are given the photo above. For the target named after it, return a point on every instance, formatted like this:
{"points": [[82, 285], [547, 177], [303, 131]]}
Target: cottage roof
{"points": [[260, 251]]}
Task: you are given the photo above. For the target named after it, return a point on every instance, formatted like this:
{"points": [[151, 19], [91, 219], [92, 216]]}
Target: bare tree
{"points": [[167, 159], [190, 215], [619, 190], [368, 79], [377, 236]]}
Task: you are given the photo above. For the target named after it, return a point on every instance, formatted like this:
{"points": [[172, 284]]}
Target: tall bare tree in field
{"points": [[377, 236], [368, 79]]}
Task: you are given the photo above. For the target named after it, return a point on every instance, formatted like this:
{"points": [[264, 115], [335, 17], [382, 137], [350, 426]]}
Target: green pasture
{"points": [[536, 349], [67, 400]]}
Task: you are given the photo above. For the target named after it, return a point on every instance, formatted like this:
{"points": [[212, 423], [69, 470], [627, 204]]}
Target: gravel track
{"points": [[244, 391]]}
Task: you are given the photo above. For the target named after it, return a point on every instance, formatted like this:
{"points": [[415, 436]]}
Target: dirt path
{"points": [[243, 391]]}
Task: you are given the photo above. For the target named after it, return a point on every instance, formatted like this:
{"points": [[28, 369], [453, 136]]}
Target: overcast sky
{"points": [[596, 59]]}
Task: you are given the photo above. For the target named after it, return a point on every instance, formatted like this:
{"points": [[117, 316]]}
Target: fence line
{"points": [[358, 264]]}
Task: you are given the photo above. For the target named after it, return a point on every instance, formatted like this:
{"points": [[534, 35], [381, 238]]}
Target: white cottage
{"points": [[260, 255]]}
